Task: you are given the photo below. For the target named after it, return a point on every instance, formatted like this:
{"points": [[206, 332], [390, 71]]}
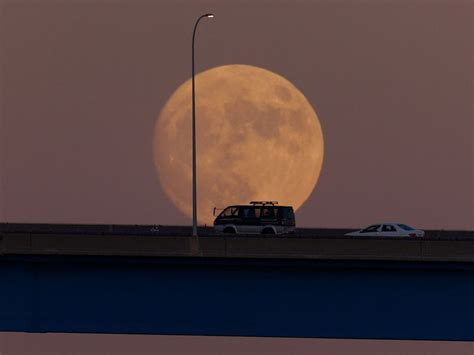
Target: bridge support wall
{"points": [[238, 297]]}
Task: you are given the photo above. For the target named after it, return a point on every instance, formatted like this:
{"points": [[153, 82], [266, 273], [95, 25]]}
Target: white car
{"points": [[388, 230]]}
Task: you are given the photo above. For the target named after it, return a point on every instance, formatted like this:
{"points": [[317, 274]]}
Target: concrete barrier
{"points": [[237, 246]]}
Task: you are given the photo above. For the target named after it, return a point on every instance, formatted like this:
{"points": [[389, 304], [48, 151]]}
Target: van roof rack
{"points": [[264, 203]]}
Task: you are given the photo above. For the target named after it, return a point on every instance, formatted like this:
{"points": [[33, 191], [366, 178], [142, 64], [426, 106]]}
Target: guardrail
{"points": [[166, 230]]}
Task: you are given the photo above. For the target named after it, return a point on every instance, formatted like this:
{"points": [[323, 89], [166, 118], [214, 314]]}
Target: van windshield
{"points": [[229, 212]]}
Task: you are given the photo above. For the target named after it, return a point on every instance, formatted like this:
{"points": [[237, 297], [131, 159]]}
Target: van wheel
{"points": [[268, 231], [229, 230]]}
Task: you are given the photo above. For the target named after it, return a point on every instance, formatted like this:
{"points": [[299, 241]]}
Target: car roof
{"points": [[373, 224]]}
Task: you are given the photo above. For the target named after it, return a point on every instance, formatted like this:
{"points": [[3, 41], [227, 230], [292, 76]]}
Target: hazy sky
{"points": [[82, 83]]}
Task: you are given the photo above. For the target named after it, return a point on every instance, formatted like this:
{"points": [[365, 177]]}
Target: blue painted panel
{"points": [[244, 298], [16, 282]]}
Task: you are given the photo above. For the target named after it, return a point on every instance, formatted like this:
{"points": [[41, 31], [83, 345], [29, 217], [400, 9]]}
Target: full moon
{"points": [[257, 139]]}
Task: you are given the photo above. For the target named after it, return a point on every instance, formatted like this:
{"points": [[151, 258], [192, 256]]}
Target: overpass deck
{"points": [[165, 241]]}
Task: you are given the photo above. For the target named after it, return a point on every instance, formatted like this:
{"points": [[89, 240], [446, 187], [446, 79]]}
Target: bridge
{"points": [[158, 280]]}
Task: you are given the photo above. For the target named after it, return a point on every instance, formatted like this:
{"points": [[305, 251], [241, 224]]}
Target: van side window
{"points": [[248, 212], [257, 212], [269, 212]]}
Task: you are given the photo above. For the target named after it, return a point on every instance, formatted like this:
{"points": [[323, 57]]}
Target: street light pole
{"points": [[194, 131]]}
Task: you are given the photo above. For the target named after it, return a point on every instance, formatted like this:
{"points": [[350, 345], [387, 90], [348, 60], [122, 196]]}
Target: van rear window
{"points": [[288, 213]]}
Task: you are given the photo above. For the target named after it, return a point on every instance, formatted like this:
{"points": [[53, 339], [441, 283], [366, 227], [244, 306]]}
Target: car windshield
{"points": [[405, 227], [370, 229]]}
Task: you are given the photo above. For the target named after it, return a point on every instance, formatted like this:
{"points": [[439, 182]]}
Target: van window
{"points": [[257, 212], [248, 212], [269, 212], [230, 211], [288, 214]]}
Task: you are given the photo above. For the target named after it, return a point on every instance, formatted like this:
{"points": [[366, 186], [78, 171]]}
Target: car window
{"points": [[373, 228], [388, 228], [405, 227]]}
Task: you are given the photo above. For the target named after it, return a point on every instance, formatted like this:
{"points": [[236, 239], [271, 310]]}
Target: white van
{"points": [[259, 217]]}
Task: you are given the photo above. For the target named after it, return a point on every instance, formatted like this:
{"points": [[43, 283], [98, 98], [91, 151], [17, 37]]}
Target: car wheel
{"points": [[268, 231], [229, 230]]}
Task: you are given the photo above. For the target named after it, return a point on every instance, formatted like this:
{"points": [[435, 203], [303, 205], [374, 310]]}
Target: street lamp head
{"points": [[210, 15]]}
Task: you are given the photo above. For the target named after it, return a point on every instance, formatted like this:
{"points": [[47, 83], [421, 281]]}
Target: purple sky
{"points": [[82, 83]]}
